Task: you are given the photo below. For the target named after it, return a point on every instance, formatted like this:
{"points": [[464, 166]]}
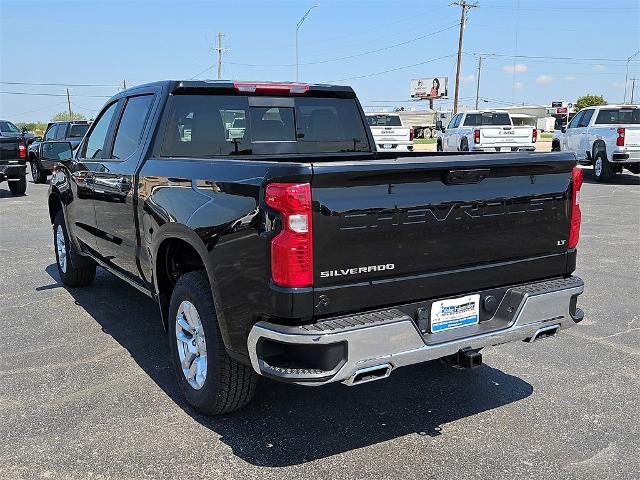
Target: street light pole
{"points": [[298, 28], [626, 76]]}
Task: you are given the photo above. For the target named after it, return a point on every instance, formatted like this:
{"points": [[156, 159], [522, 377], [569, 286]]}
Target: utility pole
{"points": [[633, 87], [478, 81], [626, 76], [219, 49], [463, 18], [69, 104]]}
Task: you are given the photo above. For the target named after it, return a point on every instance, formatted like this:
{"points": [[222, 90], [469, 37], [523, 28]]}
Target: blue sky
{"points": [[104, 43]]}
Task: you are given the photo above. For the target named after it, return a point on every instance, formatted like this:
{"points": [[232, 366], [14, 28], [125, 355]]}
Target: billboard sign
{"points": [[430, 88]]}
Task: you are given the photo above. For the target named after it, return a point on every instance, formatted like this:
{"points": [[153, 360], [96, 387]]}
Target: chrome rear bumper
{"points": [[389, 339]]}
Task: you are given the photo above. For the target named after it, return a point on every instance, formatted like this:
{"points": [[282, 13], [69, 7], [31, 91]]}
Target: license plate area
{"points": [[454, 313]]}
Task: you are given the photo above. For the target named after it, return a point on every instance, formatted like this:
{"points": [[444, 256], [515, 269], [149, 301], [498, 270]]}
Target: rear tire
{"points": [[74, 270], [464, 145], [603, 171], [38, 175], [19, 187], [227, 384]]}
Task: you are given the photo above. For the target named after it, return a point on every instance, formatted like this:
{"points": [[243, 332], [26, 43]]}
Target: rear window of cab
{"points": [[221, 125]]}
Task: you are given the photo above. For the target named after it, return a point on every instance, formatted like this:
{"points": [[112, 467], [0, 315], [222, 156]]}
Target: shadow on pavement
{"points": [[624, 178], [287, 424]]}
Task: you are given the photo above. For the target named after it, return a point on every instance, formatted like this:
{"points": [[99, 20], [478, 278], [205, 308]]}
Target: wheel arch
{"points": [[177, 250], [598, 146]]}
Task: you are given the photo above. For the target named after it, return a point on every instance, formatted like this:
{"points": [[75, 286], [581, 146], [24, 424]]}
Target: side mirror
{"points": [[56, 151], [439, 124]]}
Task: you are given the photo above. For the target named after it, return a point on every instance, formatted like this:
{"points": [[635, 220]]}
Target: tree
{"points": [[62, 116], [36, 127], [589, 101]]}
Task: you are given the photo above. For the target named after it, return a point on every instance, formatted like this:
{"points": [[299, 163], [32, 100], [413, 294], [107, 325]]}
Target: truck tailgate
{"points": [[505, 135], [417, 227], [9, 148], [390, 134]]}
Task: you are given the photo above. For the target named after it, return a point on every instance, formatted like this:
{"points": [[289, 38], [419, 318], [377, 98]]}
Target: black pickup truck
{"points": [[278, 242], [13, 158]]}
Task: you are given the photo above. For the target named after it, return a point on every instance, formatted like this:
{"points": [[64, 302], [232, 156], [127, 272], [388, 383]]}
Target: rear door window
{"points": [[487, 119], [61, 134], [586, 117], [131, 125]]}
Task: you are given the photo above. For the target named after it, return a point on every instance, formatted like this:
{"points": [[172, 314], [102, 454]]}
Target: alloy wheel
{"points": [[192, 345]]}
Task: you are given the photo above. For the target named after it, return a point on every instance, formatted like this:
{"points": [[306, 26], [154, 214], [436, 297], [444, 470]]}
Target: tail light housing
{"points": [[476, 135], [576, 214], [534, 136], [292, 248], [620, 139], [22, 151], [411, 134]]}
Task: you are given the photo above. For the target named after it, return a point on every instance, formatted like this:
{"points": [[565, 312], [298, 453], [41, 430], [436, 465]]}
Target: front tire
{"points": [[212, 382], [603, 171], [439, 146], [19, 187], [38, 175], [73, 271]]}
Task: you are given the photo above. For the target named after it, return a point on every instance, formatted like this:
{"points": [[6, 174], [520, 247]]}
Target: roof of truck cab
{"points": [[190, 85]]}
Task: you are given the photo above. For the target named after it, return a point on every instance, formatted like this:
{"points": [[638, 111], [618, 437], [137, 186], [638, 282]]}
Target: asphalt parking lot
{"points": [[86, 391]]}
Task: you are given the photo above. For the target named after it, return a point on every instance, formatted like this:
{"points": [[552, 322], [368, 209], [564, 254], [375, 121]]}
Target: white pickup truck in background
{"points": [[485, 130], [607, 137], [389, 133]]}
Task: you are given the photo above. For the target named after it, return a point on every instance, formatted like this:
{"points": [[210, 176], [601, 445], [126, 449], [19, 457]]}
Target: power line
{"points": [[44, 84], [392, 69], [347, 57], [37, 110], [53, 94]]}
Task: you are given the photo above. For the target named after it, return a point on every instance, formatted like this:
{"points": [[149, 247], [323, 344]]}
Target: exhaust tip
{"points": [[544, 332], [370, 374]]}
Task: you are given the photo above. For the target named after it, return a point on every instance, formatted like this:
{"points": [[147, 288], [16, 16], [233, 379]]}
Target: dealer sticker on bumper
{"points": [[454, 313]]}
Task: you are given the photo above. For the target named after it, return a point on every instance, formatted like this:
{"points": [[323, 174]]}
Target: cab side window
{"points": [[131, 126], [574, 122], [51, 133], [61, 134], [586, 117], [454, 121], [94, 144]]}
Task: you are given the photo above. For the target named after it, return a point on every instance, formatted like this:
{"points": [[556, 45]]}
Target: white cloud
{"points": [[517, 68], [544, 79], [519, 85], [569, 78], [599, 68], [467, 78]]}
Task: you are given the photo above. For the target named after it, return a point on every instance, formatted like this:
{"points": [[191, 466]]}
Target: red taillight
{"points": [[620, 139], [266, 87], [476, 136], [22, 151], [535, 135], [576, 215], [411, 134], [292, 248]]}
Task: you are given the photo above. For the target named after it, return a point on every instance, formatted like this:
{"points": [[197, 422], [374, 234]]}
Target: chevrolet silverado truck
{"points": [[13, 158], [294, 250], [389, 133], [71, 132], [485, 131], [607, 137]]}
